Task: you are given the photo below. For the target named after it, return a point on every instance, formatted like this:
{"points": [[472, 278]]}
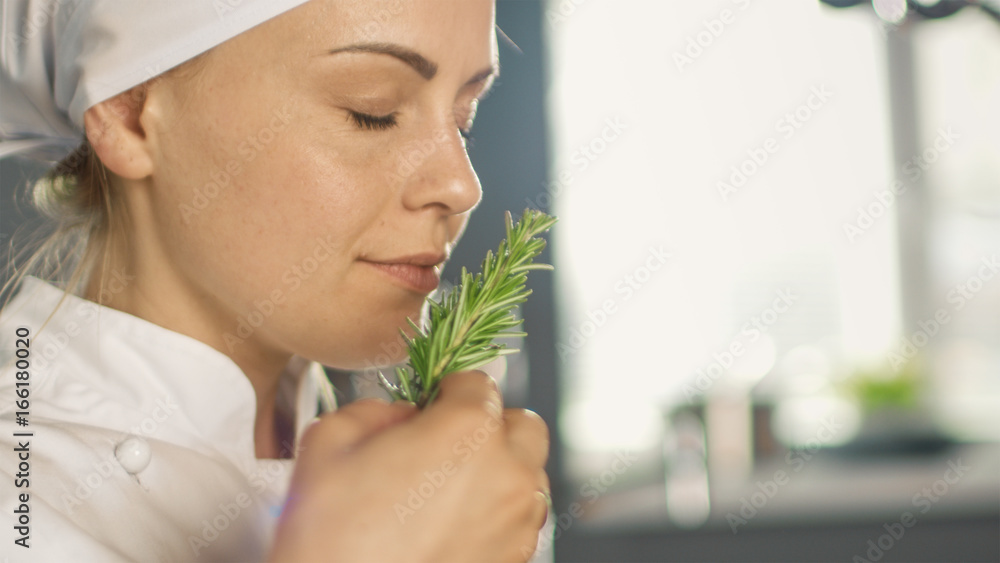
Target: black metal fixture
{"points": [[895, 11]]}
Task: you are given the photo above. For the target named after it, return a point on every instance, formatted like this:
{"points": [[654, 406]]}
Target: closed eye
{"points": [[373, 122]]}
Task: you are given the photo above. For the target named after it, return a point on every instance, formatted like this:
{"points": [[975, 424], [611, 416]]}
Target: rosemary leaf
{"points": [[462, 325]]}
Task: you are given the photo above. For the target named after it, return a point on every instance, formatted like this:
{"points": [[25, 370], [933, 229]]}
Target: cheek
{"points": [[248, 208], [254, 216]]}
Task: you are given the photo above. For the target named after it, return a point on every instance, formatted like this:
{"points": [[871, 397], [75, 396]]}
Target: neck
{"points": [[158, 295], [273, 433]]}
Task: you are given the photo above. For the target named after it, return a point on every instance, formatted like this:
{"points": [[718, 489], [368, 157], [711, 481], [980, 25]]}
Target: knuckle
{"points": [[314, 432], [361, 411], [522, 481], [362, 405], [330, 427], [532, 420], [476, 378], [469, 418], [476, 375], [490, 383]]}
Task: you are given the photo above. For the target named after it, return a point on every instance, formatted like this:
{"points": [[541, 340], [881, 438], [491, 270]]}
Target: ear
{"points": [[116, 133]]}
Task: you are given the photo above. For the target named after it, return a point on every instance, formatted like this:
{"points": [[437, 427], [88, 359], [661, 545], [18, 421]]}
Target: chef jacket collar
{"points": [[140, 359]]}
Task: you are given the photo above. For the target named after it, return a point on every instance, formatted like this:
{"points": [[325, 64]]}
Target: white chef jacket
{"points": [[185, 485], [141, 445]]}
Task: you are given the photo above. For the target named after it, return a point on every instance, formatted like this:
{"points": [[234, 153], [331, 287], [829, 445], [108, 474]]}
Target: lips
{"points": [[418, 272]]}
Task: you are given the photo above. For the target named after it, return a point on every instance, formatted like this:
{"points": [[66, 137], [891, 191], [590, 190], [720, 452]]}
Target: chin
{"points": [[375, 348], [371, 364], [370, 341]]}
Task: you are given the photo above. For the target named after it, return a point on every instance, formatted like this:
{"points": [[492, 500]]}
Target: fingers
{"points": [[467, 390], [543, 497], [541, 510], [527, 436], [345, 428], [524, 434], [528, 440]]}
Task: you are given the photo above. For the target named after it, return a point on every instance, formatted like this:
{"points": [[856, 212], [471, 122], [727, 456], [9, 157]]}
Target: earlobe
{"points": [[116, 133]]}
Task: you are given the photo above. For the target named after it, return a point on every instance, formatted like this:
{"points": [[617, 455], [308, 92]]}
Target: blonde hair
{"points": [[87, 219], [83, 216], [75, 199]]}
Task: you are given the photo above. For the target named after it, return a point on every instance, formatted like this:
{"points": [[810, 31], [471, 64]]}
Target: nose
{"points": [[442, 174]]}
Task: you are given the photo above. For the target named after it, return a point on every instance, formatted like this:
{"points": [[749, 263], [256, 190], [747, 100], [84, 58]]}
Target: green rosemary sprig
{"points": [[462, 326]]}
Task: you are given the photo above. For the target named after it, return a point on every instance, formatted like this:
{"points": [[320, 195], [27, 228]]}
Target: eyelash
{"points": [[384, 122], [374, 122]]}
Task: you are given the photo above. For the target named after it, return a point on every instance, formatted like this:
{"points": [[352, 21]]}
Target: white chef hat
{"points": [[60, 57]]}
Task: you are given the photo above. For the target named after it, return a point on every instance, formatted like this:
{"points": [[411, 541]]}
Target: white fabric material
{"points": [[99, 377], [60, 57]]}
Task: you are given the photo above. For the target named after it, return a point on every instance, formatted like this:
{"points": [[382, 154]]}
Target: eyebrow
{"points": [[424, 67]]}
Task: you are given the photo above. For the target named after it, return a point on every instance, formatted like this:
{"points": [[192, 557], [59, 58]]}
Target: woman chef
{"points": [[227, 217]]}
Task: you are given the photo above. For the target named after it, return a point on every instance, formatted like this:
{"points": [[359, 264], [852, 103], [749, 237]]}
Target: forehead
{"points": [[452, 33]]}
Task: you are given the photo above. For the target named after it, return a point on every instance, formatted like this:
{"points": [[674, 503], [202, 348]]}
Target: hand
{"points": [[458, 482]]}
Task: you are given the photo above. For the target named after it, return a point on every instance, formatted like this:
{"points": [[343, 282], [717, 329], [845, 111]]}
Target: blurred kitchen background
{"points": [[773, 331], [774, 326]]}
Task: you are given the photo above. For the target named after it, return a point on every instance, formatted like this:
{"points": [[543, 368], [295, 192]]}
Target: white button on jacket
{"points": [[142, 443]]}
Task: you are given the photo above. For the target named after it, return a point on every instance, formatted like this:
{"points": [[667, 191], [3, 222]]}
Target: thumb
{"points": [[346, 428]]}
